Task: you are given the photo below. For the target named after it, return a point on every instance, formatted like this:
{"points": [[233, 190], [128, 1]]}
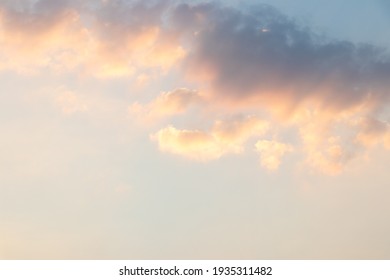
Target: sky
{"points": [[194, 129]]}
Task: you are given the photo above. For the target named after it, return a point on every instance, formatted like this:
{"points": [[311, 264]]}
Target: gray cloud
{"points": [[129, 16], [32, 16], [262, 52]]}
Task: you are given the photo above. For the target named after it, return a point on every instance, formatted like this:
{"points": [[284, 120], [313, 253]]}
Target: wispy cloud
{"points": [[166, 104]]}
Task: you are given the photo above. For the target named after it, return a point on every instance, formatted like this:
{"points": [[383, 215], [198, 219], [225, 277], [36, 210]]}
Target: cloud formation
{"points": [[38, 35], [103, 39], [260, 60], [166, 104], [261, 56], [225, 137], [271, 153], [249, 61]]}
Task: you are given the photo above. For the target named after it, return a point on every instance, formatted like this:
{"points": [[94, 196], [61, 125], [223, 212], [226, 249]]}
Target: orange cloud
{"points": [[31, 41], [110, 41], [192, 144], [271, 153], [224, 138]]}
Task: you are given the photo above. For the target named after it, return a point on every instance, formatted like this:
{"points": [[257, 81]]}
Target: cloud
{"points": [[225, 137], [271, 153], [327, 140], [235, 131], [245, 54], [132, 34], [166, 104], [259, 60], [46, 33], [372, 132], [193, 144], [288, 62], [247, 60], [107, 39]]}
